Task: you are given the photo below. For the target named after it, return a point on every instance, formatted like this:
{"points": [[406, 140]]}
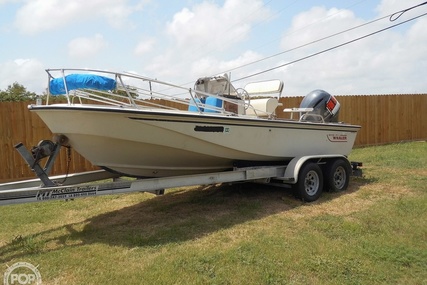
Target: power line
{"points": [[392, 17], [397, 15], [307, 44], [331, 48]]}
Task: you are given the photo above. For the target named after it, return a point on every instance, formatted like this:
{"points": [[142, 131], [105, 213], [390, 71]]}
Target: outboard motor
{"points": [[324, 106]]}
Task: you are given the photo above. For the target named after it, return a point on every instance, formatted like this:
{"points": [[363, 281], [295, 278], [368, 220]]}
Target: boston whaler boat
{"points": [[141, 127]]}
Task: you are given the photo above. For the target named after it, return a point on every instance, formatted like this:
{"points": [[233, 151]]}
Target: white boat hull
{"points": [[159, 143]]}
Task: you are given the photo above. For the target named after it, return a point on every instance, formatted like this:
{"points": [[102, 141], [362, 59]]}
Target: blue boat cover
{"points": [[78, 81]]}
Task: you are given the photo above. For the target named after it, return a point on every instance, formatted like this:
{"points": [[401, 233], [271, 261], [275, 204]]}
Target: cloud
{"points": [[318, 23], [212, 27], [82, 47], [213, 66], [8, 1], [199, 36], [144, 46], [44, 15], [27, 72]]}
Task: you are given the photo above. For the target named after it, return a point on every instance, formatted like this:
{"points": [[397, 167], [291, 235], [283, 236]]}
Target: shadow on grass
{"points": [[188, 215], [175, 217]]}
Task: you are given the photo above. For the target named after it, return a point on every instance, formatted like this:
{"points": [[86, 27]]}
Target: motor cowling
{"points": [[324, 106]]}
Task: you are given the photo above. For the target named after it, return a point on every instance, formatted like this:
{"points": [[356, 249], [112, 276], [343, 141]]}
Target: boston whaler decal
{"points": [[337, 137]]}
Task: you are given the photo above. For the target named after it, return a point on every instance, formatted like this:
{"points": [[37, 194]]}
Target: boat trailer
{"points": [[300, 172]]}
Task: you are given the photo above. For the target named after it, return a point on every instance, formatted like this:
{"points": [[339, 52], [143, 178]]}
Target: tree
{"points": [[16, 92]]}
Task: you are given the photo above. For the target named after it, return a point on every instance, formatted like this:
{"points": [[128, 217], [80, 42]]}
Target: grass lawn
{"points": [[374, 233]]}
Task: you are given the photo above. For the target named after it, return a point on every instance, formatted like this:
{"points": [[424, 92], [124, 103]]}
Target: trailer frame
{"points": [[92, 183]]}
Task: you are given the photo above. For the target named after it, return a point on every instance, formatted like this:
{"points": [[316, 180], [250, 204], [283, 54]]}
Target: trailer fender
{"points": [[294, 166]]}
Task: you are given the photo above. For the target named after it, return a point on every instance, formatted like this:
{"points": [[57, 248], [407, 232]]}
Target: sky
{"points": [[302, 42]]}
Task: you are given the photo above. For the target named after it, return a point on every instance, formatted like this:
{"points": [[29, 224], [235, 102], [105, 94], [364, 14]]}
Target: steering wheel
{"points": [[244, 95]]}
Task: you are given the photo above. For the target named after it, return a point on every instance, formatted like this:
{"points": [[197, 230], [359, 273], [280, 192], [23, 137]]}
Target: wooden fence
{"points": [[384, 119]]}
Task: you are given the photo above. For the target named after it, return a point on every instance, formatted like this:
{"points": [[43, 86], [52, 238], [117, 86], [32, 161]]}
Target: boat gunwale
{"points": [[156, 114]]}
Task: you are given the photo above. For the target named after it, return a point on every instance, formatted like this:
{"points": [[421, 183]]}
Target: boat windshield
{"points": [[218, 85]]}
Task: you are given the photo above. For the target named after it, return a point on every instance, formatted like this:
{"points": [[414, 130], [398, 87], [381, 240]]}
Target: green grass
{"points": [[374, 233]]}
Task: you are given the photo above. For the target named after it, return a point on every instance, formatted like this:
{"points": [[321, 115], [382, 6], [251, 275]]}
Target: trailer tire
{"points": [[309, 186], [337, 175]]}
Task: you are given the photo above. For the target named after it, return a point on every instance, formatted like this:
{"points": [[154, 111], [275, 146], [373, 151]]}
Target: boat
{"points": [[142, 127]]}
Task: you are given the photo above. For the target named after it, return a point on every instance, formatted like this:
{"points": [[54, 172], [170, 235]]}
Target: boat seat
{"points": [[263, 107], [216, 103], [263, 88]]}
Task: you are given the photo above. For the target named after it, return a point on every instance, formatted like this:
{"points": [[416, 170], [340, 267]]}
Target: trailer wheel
{"points": [[309, 186], [337, 175]]}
